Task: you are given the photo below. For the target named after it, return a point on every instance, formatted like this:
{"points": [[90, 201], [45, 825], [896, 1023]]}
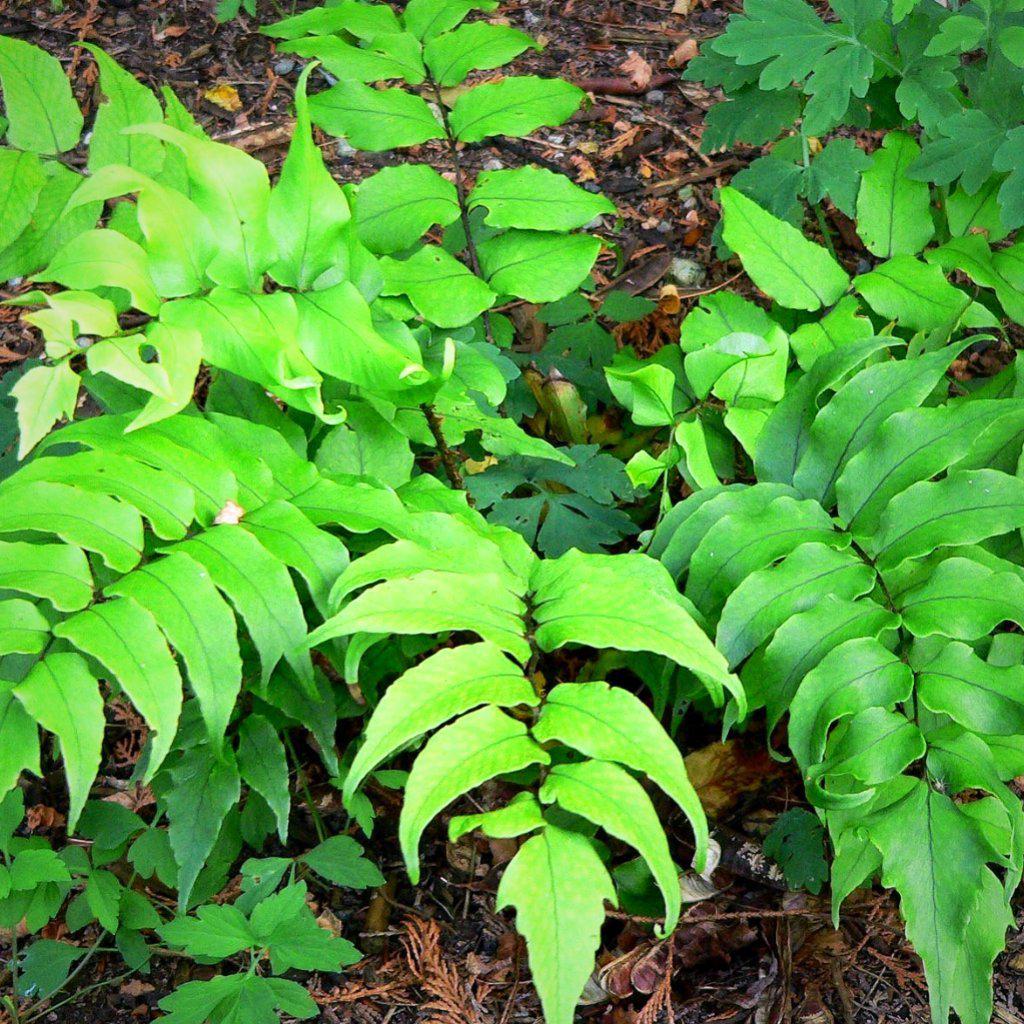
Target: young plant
{"points": [[158, 539], [491, 712], [862, 587], [956, 71], [280, 934], [515, 228]]}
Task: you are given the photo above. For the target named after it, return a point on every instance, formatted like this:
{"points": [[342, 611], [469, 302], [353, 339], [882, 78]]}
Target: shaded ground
{"points": [[753, 952]]}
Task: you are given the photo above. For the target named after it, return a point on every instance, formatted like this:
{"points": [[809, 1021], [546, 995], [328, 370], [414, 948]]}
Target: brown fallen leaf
{"points": [[170, 32], [683, 53], [136, 988], [637, 70], [682, 6], [722, 772], [224, 96]]}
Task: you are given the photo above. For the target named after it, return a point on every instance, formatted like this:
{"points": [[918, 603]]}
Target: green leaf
{"points": [[914, 294], [434, 602], [981, 697], [431, 693], [963, 599], [45, 967], [767, 598], [846, 424], [316, 555], [772, 675], [874, 746], [21, 181], [893, 211], [19, 748], [53, 223], [105, 258], [203, 790], [915, 445], [232, 190], [44, 395], [537, 199], [752, 116], [307, 209], [341, 860], [610, 797], [374, 119], [178, 239], [646, 388], [23, 627], [558, 886], [743, 542], [967, 214], [366, 445], [611, 724], [853, 676], [64, 697], [779, 260], [179, 594], [264, 768], [124, 637], [965, 507], [935, 857], [388, 55], [628, 603], [513, 106], [109, 824], [35, 867], [797, 844], [841, 326], [256, 337], [93, 521], [963, 148], [337, 333], [168, 503], [461, 756], [836, 172], [426, 18], [443, 291], [361, 19], [395, 207], [103, 896], [539, 266], [259, 587], [217, 931], [296, 940], [128, 102], [476, 47], [58, 572], [522, 814], [41, 112]]}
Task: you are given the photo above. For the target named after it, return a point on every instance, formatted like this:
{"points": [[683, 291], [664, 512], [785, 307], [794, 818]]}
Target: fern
{"points": [[863, 589], [490, 712], [124, 558]]}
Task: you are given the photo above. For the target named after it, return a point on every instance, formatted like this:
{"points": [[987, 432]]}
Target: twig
{"points": [[623, 86], [448, 460]]}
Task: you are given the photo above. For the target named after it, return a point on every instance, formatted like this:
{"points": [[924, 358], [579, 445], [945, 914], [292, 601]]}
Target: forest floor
{"points": [[750, 951]]}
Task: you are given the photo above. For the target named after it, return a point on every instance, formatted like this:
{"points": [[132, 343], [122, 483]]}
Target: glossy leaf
{"points": [[558, 886], [611, 724], [461, 756], [780, 261], [431, 693]]}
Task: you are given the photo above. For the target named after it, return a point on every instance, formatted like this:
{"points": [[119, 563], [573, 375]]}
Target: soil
{"points": [[752, 952]]}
